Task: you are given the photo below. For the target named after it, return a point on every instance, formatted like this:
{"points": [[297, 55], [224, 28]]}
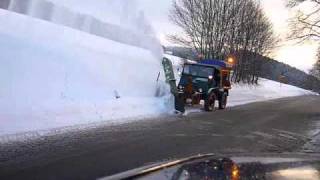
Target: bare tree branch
{"points": [[305, 25], [218, 28]]}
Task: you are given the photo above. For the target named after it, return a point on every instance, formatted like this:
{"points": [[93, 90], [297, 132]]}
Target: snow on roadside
{"points": [[54, 76], [266, 90], [112, 114]]}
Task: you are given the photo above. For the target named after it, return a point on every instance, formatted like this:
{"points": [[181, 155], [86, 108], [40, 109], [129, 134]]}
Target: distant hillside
{"points": [[182, 52], [270, 69]]}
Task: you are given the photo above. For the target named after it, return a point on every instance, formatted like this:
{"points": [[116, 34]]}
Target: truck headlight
{"points": [[200, 90], [210, 77]]}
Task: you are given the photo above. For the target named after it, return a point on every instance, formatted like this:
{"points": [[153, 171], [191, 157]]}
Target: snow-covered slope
{"points": [[266, 90], [53, 76], [118, 20]]}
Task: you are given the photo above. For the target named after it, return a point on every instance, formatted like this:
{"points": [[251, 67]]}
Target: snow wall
{"points": [[124, 22], [53, 76]]}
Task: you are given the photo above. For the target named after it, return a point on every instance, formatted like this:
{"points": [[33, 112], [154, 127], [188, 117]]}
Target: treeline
{"points": [[217, 29], [267, 68], [315, 71], [277, 71]]}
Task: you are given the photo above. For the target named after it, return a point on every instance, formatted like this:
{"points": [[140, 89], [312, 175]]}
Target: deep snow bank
{"points": [[121, 20], [53, 76]]}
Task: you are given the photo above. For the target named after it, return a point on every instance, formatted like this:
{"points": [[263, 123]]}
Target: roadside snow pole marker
{"points": [[170, 79], [158, 76], [116, 94]]}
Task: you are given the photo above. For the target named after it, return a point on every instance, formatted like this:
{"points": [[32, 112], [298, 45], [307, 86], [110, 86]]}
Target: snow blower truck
{"points": [[202, 83]]}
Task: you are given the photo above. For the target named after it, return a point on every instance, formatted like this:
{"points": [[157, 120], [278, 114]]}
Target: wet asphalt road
{"points": [[285, 125]]}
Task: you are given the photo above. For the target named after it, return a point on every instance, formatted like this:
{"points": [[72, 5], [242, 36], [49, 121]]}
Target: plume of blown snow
{"points": [[118, 20]]}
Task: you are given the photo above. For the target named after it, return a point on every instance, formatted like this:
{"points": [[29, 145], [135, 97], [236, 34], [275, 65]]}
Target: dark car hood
{"points": [[267, 166]]}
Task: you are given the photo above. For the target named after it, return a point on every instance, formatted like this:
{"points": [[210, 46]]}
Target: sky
{"points": [[157, 12], [299, 56]]}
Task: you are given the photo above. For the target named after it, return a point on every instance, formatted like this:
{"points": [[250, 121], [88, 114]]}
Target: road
{"points": [[284, 125]]}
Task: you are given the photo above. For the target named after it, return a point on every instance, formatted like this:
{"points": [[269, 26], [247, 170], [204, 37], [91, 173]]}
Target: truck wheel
{"points": [[223, 101], [210, 103]]}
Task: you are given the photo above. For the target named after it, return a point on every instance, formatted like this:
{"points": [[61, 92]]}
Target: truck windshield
{"points": [[200, 71]]}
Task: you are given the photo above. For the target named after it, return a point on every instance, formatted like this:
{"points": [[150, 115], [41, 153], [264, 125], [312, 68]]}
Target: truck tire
{"points": [[209, 103], [223, 101]]}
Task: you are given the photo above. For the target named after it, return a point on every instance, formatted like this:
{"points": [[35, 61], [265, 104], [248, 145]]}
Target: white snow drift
{"points": [[264, 91], [123, 21], [53, 76]]}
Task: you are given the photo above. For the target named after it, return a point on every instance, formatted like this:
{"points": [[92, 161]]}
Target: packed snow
{"points": [[54, 76]]}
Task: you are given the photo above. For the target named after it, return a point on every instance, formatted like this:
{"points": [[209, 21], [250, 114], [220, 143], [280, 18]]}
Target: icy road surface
{"points": [[276, 126]]}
